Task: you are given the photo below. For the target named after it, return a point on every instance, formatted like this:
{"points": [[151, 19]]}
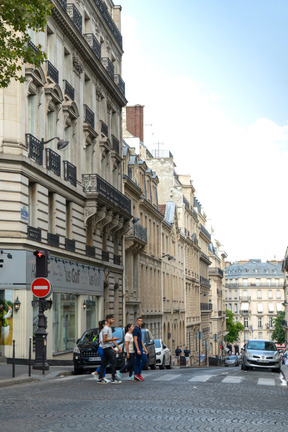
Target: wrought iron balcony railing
{"points": [[108, 66], [93, 183], [34, 233], [70, 173], [63, 4], [52, 72], [140, 232], [70, 245], [205, 231], [117, 259], [206, 307], [94, 44], [105, 255], [115, 144], [32, 46], [53, 239], [35, 149], [215, 271], [69, 90], [90, 251], [104, 128], [53, 162], [205, 281], [89, 117], [120, 83], [109, 21], [75, 16]]}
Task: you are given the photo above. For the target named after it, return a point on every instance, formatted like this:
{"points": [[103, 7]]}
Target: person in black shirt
{"points": [[140, 351], [178, 352], [187, 353]]}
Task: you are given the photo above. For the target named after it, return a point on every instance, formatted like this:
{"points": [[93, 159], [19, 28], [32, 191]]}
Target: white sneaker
{"points": [[95, 375], [106, 380]]}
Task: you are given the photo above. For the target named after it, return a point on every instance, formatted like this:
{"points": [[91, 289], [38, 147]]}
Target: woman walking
{"points": [[129, 350], [100, 352]]}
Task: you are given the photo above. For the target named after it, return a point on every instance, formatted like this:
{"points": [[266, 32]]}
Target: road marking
{"points": [[232, 380], [266, 381], [167, 377], [201, 378]]}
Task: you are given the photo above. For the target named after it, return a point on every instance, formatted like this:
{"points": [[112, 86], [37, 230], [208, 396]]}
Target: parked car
{"points": [[261, 354], [85, 357], [148, 341], [231, 361], [163, 355]]}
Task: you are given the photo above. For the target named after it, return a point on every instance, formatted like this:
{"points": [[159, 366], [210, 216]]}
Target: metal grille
{"points": [[52, 72], [70, 245], [108, 66], [31, 45], [94, 44], [89, 116], [75, 16], [63, 4], [93, 183], [120, 83], [53, 239], [34, 233], [35, 148], [109, 21], [115, 143], [70, 173], [105, 255], [117, 259], [90, 251], [104, 128], [53, 162], [69, 90], [140, 232]]}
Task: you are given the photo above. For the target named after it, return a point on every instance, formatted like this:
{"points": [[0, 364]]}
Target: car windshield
{"points": [[89, 335], [261, 346], [231, 358], [157, 343]]}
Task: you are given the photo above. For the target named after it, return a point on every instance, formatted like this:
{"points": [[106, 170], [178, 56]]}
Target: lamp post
{"points": [[61, 144]]}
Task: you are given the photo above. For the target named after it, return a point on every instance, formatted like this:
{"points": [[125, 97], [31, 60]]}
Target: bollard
{"points": [[29, 364], [13, 360]]}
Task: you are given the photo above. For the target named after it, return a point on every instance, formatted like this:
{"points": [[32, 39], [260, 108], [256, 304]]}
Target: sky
{"points": [[213, 77]]}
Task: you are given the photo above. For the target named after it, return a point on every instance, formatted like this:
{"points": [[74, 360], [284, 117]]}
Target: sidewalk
{"points": [[21, 374]]}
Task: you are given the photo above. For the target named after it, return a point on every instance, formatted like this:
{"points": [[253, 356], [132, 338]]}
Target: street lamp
{"points": [[61, 144]]}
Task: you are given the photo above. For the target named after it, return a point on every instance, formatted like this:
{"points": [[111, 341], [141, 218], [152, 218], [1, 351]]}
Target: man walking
{"points": [[140, 351], [108, 352]]}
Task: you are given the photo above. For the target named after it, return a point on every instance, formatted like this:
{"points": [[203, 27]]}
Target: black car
{"points": [[148, 341], [85, 356]]}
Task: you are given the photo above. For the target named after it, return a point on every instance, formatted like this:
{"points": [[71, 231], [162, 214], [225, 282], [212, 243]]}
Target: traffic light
{"points": [[220, 346], [41, 263]]}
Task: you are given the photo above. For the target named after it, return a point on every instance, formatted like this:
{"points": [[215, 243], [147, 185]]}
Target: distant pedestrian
{"points": [[140, 351], [202, 359], [108, 351], [187, 354], [178, 352], [100, 352], [130, 354]]}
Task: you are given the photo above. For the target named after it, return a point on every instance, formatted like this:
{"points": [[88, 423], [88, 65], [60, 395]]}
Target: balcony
{"points": [[215, 271], [35, 149], [94, 44], [204, 281], [206, 307], [115, 144], [32, 46], [53, 162], [108, 65], [53, 239], [136, 238], [117, 259], [105, 255], [52, 72], [75, 16], [94, 184], [90, 251], [104, 128], [68, 90], [205, 258], [70, 173], [109, 21], [89, 117], [205, 231], [245, 313], [245, 298], [120, 83], [34, 234], [63, 3], [70, 245]]}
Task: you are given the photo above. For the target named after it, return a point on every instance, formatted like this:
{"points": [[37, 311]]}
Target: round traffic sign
{"points": [[41, 287]]}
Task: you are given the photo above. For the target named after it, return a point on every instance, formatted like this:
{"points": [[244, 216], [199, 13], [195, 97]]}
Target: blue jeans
{"points": [[100, 352], [140, 361]]}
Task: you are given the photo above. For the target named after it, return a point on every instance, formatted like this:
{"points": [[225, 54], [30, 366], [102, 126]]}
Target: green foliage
{"points": [[16, 17], [232, 328], [278, 334]]}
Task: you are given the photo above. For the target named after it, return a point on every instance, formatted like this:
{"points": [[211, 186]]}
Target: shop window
{"points": [[91, 312], [65, 307]]}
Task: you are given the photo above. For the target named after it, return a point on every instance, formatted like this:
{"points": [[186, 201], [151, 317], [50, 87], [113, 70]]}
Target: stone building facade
{"points": [[67, 200], [254, 293]]}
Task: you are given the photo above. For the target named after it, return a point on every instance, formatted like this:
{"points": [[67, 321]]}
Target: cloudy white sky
{"points": [[213, 77]]}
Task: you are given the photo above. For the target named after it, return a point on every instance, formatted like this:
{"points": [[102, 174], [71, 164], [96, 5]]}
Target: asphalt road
{"points": [[214, 399]]}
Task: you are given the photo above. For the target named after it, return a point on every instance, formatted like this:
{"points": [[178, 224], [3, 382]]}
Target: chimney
{"points": [[135, 121]]}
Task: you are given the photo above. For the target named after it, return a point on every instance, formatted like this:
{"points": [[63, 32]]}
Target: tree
{"points": [[278, 333], [232, 328], [16, 18]]}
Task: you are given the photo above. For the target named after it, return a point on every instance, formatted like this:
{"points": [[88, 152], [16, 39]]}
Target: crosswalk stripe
{"points": [[201, 378], [232, 380], [266, 381], [167, 377]]}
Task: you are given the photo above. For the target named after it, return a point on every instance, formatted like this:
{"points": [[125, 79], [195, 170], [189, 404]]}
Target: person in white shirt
{"points": [[130, 354], [100, 352]]}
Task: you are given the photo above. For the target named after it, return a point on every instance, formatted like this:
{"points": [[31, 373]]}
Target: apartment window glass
{"points": [[270, 295], [279, 307], [260, 307], [245, 282], [271, 322], [259, 294], [257, 282], [246, 322], [259, 322], [276, 282], [271, 307], [245, 294], [278, 294], [236, 308]]}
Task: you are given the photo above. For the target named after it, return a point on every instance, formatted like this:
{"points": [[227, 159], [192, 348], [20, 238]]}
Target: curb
{"points": [[22, 380]]}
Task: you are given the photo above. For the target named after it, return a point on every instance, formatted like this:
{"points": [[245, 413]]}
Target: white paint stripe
{"points": [[167, 377], [266, 381], [232, 380], [40, 287], [201, 378]]}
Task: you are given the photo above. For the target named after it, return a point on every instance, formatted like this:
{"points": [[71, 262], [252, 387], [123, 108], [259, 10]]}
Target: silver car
{"points": [[261, 354]]}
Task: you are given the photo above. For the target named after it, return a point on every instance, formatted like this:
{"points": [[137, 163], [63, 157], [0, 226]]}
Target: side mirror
{"points": [[164, 346]]}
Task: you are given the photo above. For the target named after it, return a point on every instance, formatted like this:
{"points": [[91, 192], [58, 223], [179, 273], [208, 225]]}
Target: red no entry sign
{"points": [[41, 287]]}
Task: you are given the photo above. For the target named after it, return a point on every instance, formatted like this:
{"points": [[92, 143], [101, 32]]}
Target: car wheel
{"points": [[161, 366], [153, 366], [243, 367], [277, 370], [78, 371]]}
